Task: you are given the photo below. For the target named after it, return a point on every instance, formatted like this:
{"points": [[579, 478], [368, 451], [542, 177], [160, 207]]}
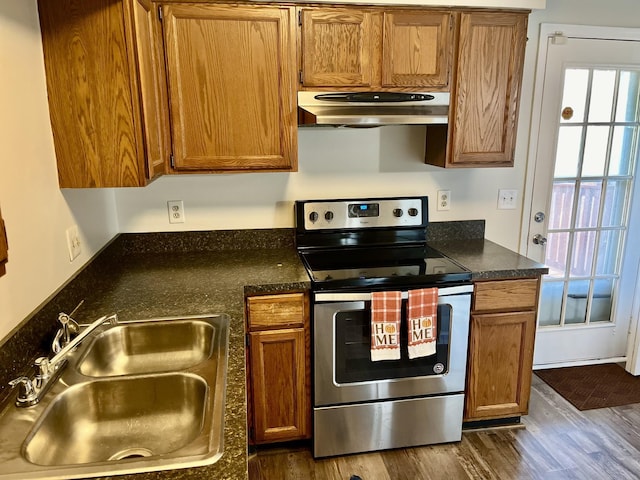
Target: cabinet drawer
{"points": [[276, 311], [505, 295]]}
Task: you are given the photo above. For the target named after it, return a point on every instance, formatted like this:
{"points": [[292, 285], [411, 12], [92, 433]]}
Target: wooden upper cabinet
{"points": [[484, 102], [153, 87], [416, 49], [231, 72], [368, 48], [4, 247], [337, 47], [104, 83]]}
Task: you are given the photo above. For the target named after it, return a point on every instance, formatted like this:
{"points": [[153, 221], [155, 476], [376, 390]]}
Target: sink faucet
{"points": [[31, 391], [69, 327]]}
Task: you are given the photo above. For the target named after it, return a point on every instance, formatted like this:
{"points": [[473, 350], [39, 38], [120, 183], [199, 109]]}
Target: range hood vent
{"points": [[371, 109]]}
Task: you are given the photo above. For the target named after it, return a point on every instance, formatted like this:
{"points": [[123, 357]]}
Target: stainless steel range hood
{"points": [[371, 109]]}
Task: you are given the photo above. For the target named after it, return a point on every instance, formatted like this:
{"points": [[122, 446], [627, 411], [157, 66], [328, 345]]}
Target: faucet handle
{"points": [[26, 390], [43, 368]]}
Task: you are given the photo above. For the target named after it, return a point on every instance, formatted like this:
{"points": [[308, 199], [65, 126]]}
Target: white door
{"points": [[583, 224]]}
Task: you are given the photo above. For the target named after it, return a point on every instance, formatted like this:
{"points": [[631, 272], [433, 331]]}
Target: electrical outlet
{"points": [[176, 211], [507, 199], [444, 200], [73, 242]]}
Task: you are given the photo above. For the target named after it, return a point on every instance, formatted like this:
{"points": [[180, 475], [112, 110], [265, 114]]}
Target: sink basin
{"points": [[139, 396], [147, 347], [117, 419]]}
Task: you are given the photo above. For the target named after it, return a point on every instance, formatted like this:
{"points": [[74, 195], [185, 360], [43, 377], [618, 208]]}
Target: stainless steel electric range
{"points": [[351, 248]]}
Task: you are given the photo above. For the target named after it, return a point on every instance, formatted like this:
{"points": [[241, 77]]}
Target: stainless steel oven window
{"points": [[352, 349]]}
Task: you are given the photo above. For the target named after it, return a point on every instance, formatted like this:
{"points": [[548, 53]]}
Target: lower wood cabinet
{"points": [[278, 368], [501, 341]]}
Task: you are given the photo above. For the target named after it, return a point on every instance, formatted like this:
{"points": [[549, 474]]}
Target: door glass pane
{"points": [[584, 244], [595, 151], [628, 107], [550, 303], [561, 205], [556, 253], [588, 204], [615, 203], [602, 300], [622, 148], [608, 250], [576, 81], [576, 309], [568, 153], [602, 90], [591, 193]]}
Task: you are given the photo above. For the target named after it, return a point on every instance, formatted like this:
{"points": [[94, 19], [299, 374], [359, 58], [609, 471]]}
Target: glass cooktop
{"points": [[382, 267]]}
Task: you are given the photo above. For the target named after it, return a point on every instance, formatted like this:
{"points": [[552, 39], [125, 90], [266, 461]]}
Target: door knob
{"points": [[539, 239]]}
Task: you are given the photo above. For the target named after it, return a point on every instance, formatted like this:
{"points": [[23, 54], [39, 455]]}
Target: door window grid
{"points": [[586, 232]]}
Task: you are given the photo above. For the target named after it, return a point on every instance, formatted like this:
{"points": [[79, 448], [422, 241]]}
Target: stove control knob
{"points": [[413, 212], [328, 216], [397, 212], [313, 216]]}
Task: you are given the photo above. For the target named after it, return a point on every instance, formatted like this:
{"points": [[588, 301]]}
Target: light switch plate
{"points": [[507, 199]]}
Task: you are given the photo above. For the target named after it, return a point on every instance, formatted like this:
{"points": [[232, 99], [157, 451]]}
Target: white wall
{"points": [[35, 210], [333, 163]]}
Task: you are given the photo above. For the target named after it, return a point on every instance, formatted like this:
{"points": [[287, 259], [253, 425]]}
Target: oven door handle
{"points": [[366, 296]]}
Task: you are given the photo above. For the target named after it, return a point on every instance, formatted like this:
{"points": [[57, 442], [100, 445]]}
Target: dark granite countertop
{"points": [[488, 260], [142, 276]]}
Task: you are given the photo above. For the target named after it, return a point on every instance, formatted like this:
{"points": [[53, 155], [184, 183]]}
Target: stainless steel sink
{"points": [[148, 347], [139, 397], [119, 418]]}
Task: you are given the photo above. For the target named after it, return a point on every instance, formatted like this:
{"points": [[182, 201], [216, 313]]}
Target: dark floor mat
{"points": [[593, 386]]}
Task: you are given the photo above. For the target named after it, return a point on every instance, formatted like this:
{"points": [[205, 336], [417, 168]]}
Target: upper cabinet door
{"points": [[153, 89], [417, 49], [337, 47], [92, 54], [231, 72], [487, 89]]}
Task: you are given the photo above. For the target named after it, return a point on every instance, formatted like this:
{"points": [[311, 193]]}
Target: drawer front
{"points": [[276, 311], [505, 295]]}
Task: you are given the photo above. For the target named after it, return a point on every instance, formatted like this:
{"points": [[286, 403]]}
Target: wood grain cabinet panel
{"points": [[485, 95], [231, 71], [337, 47], [490, 60], [280, 399], [500, 364], [416, 49], [278, 368], [276, 311], [501, 342], [355, 48], [506, 295], [105, 89], [4, 247]]}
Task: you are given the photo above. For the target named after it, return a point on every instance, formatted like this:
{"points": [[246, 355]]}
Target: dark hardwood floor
{"points": [[557, 442]]}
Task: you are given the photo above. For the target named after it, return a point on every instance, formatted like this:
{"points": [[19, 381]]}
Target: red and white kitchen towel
{"points": [[422, 318], [385, 325], [386, 315]]}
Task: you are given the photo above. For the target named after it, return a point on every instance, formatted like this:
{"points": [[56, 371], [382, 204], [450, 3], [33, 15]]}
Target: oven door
{"points": [[344, 372]]}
